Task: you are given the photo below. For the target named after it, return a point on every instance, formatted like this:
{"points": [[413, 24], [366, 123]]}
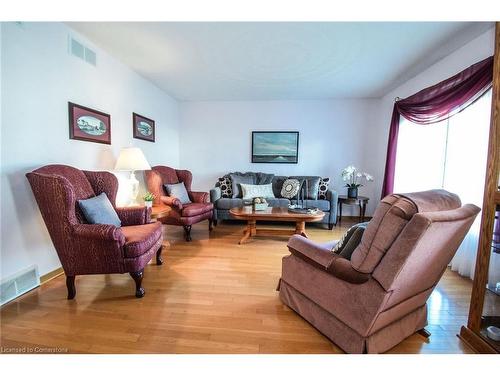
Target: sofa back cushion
{"points": [[312, 185], [237, 179]]}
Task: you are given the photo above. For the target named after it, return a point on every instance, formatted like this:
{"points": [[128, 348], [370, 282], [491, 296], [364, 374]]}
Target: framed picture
{"points": [[275, 147], [86, 124], [143, 127]]}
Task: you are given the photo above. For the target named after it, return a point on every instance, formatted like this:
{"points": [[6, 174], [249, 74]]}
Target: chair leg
{"points": [[210, 225], [137, 276], [159, 260], [187, 232], [215, 222], [70, 284], [330, 226], [423, 332]]}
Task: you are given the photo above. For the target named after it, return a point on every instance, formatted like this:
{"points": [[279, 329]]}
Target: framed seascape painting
{"points": [[144, 128], [275, 147], [86, 124]]}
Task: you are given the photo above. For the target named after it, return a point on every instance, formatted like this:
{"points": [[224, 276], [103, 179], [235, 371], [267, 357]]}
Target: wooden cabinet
{"points": [[484, 308]]}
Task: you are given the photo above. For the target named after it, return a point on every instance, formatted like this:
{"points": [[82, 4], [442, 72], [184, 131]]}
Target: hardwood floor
{"points": [[210, 296]]}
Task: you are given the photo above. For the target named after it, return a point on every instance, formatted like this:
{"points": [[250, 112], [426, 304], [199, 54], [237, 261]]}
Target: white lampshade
{"points": [[132, 159]]}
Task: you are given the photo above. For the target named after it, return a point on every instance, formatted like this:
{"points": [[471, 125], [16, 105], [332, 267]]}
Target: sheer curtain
{"points": [[451, 155]]}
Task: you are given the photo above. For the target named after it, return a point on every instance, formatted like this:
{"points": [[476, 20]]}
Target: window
{"points": [[450, 155]]}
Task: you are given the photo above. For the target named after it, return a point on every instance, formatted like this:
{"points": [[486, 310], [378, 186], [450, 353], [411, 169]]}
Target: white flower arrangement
{"points": [[351, 176]]}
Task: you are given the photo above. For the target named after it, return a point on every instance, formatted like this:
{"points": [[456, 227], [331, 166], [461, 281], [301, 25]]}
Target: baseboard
{"points": [[51, 275]]}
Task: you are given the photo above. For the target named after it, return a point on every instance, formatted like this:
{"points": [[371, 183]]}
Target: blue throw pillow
{"points": [[99, 210], [179, 191]]}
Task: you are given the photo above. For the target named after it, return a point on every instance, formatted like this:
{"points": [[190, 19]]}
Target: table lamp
{"points": [[132, 159]]}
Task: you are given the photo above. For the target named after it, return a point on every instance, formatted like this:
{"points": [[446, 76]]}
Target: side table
{"points": [[359, 201]]}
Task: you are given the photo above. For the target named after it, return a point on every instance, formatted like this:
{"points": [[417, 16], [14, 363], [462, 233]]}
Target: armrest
{"points": [[134, 215], [172, 202], [333, 197], [324, 259], [199, 196], [310, 252], [215, 194], [99, 232]]}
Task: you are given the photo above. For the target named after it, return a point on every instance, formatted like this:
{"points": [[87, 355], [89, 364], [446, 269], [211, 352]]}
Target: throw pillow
{"points": [[290, 188], [353, 242], [225, 187], [347, 236], [99, 210], [264, 178], [257, 191], [312, 186], [323, 188], [179, 191], [236, 180]]}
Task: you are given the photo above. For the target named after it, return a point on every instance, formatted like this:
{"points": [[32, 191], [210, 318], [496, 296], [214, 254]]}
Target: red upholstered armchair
{"points": [[184, 215], [83, 248]]}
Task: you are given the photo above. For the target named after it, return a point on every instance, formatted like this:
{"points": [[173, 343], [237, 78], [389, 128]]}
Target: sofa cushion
{"points": [[140, 238], [312, 185], [264, 178], [237, 179], [323, 187], [178, 191], [278, 184], [99, 210], [195, 209], [290, 189], [226, 187], [257, 191]]}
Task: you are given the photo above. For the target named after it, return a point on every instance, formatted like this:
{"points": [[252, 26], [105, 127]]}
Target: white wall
{"points": [[216, 137], [471, 53], [38, 79]]}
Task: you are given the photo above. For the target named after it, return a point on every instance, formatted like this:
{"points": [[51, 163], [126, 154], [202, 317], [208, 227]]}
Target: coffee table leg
{"points": [[300, 228], [250, 231]]}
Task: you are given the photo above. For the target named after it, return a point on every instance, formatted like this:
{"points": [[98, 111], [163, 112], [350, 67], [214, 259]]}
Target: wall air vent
{"points": [[18, 284], [81, 51]]}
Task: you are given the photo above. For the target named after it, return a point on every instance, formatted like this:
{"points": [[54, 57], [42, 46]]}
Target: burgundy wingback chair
{"points": [[184, 215], [83, 248], [377, 298]]}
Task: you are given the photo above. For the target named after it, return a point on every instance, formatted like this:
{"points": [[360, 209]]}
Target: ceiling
{"points": [[278, 60]]}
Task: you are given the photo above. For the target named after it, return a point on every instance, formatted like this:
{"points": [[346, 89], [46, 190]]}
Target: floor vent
{"points": [[81, 51], [18, 284]]}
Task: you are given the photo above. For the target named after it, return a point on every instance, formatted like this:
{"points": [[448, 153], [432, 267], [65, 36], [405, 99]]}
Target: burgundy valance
{"points": [[435, 104]]}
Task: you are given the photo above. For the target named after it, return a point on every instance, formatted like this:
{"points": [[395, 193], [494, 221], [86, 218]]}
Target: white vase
{"points": [[148, 204]]}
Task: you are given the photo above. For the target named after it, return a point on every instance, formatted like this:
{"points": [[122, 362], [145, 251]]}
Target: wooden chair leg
{"points": [[139, 290], [187, 232], [70, 284], [215, 222], [159, 260], [210, 225]]}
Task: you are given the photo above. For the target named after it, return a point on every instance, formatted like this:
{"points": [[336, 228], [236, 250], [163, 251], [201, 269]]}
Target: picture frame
{"points": [[143, 127], [276, 147], [87, 124]]}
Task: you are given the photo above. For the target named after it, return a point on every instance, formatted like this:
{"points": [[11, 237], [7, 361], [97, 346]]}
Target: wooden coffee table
{"points": [[273, 214]]}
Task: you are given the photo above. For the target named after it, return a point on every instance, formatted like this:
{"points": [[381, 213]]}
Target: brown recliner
{"points": [[184, 215], [373, 301]]}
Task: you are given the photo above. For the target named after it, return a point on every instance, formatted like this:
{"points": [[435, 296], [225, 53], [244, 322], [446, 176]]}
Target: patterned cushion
{"points": [[323, 187], [345, 240], [226, 187], [257, 191], [290, 188]]}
